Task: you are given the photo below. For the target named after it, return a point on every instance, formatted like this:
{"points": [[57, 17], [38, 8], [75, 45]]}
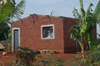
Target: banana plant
{"points": [[86, 22], [8, 10]]}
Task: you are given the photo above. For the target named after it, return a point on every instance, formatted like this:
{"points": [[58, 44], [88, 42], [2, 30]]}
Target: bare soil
{"points": [[10, 56]]}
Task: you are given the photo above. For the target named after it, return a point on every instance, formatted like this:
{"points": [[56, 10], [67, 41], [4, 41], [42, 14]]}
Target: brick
{"points": [[30, 33]]}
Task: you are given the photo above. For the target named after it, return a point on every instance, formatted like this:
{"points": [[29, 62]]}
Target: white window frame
{"points": [[13, 37], [49, 25]]}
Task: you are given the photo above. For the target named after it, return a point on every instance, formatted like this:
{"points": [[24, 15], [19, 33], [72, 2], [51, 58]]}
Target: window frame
{"points": [[49, 25]]}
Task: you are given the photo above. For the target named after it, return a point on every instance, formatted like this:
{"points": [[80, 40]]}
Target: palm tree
{"points": [[9, 10], [86, 21]]}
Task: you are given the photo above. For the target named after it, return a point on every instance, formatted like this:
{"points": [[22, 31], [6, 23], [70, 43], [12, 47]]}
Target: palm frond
{"points": [[97, 10], [77, 16], [98, 19], [89, 10], [13, 1], [5, 10], [16, 13], [88, 20], [82, 9], [75, 12], [96, 13], [74, 33]]}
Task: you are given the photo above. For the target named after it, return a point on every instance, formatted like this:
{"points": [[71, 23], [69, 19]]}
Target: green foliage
{"points": [[91, 59], [1, 8], [97, 10], [10, 63], [49, 60], [25, 56], [13, 2], [86, 21], [6, 9], [8, 43], [8, 39], [82, 9], [16, 12], [97, 45], [10, 11], [74, 33], [77, 16], [3, 29]]}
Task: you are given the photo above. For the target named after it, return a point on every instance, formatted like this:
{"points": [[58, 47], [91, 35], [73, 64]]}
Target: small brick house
{"points": [[43, 32]]}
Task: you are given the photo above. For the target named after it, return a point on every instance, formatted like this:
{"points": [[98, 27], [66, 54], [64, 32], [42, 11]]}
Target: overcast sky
{"points": [[59, 7]]}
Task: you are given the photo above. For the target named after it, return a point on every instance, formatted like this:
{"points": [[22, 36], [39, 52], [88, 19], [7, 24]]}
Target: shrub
{"points": [[91, 59], [8, 43], [25, 57], [10, 63], [49, 60]]}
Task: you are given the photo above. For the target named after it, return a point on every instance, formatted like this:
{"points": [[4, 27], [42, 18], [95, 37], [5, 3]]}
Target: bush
{"points": [[49, 60], [91, 59], [10, 63], [8, 43], [25, 57]]}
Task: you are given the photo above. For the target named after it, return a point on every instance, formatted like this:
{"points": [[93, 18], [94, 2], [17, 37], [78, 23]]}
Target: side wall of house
{"points": [[69, 44], [30, 32]]}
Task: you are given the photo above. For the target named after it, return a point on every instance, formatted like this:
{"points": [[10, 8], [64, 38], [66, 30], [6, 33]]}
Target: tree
{"points": [[86, 21], [3, 29], [9, 10]]}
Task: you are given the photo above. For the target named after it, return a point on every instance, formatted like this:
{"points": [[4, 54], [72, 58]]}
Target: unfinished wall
{"points": [[30, 32]]}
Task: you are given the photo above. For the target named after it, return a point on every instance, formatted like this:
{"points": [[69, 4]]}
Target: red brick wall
{"points": [[69, 44], [30, 32]]}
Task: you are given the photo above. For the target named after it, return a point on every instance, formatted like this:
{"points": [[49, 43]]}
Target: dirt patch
{"points": [[10, 56]]}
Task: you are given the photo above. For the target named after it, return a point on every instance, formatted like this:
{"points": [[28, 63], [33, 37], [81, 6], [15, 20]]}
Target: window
{"points": [[47, 31]]}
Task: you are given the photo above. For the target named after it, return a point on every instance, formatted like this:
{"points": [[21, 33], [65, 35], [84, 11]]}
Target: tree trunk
{"points": [[82, 52], [82, 49], [83, 55]]}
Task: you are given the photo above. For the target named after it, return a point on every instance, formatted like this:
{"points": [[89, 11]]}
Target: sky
{"points": [[57, 7]]}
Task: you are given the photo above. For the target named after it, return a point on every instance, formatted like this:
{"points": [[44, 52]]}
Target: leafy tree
{"points": [[10, 11], [3, 29], [86, 21]]}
